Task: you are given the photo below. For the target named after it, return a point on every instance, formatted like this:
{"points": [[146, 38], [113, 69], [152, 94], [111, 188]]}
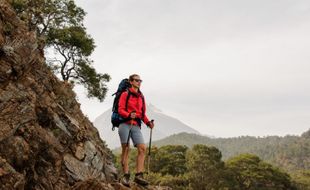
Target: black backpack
{"points": [[116, 118]]}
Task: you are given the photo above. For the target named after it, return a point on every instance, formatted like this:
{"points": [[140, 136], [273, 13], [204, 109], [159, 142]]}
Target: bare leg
{"points": [[124, 158], [140, 159]]}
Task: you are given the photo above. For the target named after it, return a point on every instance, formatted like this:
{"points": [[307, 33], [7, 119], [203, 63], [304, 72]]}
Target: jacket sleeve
{"points": [[145, 119], [122, 105]]}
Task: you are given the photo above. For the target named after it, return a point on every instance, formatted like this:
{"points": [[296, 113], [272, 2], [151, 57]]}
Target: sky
{"points": [[225, 68]]}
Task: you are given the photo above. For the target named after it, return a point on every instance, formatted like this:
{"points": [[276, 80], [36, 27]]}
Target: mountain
{"points": [[164, 126], [290, 152]]}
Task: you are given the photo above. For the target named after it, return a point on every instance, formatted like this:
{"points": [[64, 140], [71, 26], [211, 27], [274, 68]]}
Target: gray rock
{"points": [[79, 170], [60, 124]]}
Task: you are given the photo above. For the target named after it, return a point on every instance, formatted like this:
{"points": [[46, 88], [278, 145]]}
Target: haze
{"points": [[225, 68]]}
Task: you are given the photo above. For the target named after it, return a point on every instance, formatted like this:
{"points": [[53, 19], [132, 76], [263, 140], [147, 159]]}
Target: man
{"points": [[135, 113]]}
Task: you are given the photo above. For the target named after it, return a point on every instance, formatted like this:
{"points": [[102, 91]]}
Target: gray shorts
{"points": [[135, 134]]}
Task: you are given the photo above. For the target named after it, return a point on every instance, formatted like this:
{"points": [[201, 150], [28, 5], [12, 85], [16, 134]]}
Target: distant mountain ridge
{"points": [[165, 125], [290, 152]]}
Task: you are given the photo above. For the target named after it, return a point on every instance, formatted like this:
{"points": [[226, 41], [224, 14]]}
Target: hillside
{"points": [[165, 126], [289, 152]]}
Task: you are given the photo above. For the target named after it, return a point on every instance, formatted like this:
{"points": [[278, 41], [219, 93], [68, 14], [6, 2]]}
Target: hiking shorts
{"points": [[135, 134]]}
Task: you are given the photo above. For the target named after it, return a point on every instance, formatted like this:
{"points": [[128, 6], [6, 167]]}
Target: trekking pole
{"points": [[149, 154]]}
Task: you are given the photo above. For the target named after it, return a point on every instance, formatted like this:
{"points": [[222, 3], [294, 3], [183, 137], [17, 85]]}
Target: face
{"points": [[136, 82]]}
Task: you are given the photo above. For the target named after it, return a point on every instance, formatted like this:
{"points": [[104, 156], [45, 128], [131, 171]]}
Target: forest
{"points": [[190, 161]]}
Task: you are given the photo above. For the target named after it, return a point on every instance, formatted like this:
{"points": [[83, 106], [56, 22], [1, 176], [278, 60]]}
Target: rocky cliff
{"points": [[45, 140]]}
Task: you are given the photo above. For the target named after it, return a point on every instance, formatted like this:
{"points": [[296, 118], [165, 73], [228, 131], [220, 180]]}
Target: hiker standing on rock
{"points": [[132, 106]]}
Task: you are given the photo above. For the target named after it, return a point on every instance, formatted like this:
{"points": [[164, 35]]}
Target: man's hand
{"points": [[133, 115]]}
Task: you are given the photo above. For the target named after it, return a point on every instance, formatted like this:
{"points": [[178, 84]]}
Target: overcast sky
{"points": [[226, 68]]}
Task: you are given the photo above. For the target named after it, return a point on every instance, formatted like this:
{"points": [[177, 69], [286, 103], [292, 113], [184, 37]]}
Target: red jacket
{"points": [[135, 103]]}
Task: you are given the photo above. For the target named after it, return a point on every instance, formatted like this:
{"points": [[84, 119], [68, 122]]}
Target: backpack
{"points": [[116, 118]]}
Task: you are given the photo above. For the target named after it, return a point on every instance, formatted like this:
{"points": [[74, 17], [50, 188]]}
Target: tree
{"points": [[302, 179], [252, 174], [179, 182], [59, 27], [169, 159], [205, 168]]}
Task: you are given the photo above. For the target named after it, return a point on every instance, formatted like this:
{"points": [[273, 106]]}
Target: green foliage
{"points": [[290, 152], [169, 160], [154, 178], [71, 40], [252, 173], [167, 165], [306, 134], [204, 167], [94, 82], [180, 182], [44, 15], [59, 26], [302, 179]]}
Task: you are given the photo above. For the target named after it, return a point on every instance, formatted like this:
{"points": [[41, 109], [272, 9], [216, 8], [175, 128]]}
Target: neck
{"points": [[135, 89]]}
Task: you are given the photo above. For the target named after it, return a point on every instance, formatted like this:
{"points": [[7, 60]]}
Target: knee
{"points": [[141, 149]]}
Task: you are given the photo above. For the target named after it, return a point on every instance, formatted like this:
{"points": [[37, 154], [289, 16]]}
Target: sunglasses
{"points": [[137, 80]]}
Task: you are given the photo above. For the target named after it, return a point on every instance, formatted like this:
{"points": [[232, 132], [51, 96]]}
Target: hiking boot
{"points": [[140, 180], [126, 180]]}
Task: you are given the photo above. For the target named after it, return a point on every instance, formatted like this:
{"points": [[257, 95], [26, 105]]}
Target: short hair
{"points": [[131, 77]]}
